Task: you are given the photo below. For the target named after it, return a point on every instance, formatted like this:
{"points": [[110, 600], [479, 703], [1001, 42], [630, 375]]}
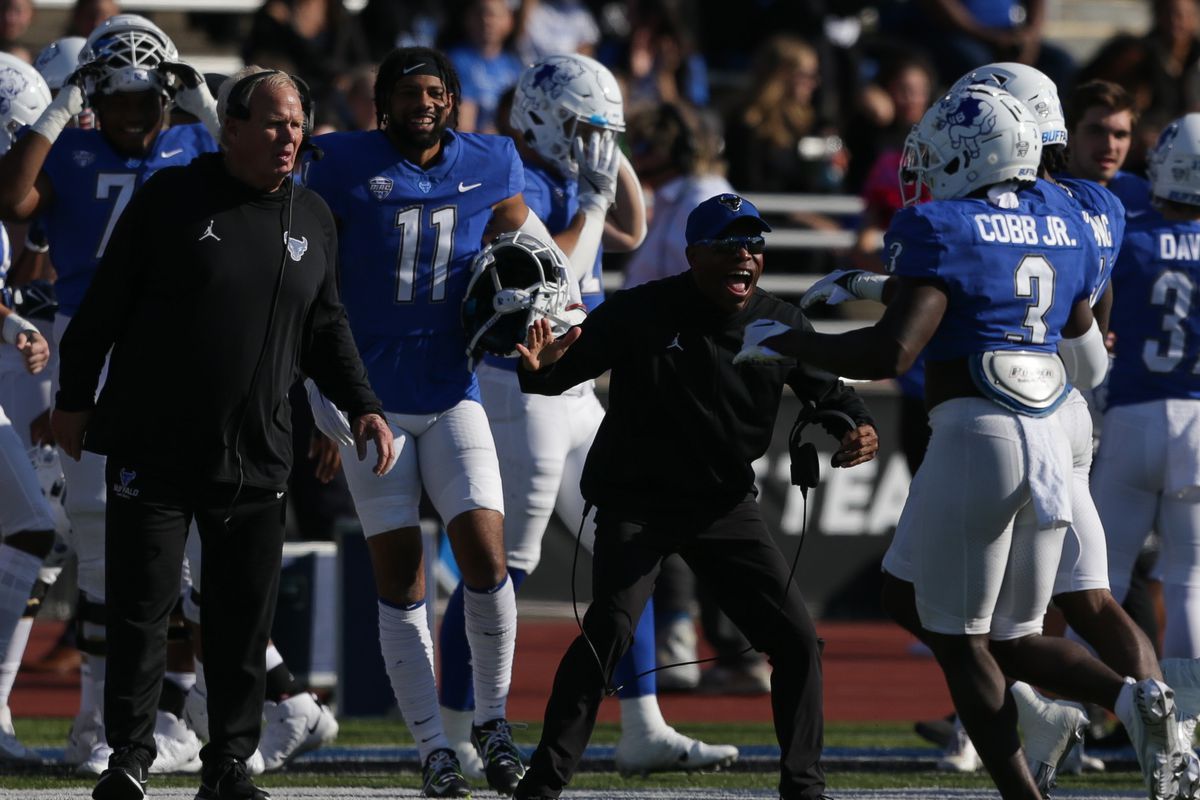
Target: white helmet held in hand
{"points": [[1032, 87], [59, 59], [557, 93], [515, 281], [23, 97], [968, 140], [1174, 164], [126, 51]]}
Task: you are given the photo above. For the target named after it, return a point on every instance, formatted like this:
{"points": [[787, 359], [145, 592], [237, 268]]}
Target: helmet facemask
{"points": [[516, 281]]}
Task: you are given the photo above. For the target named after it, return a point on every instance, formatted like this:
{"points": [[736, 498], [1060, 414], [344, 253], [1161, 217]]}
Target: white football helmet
{"points": [[58, 60], [515, 281], [1032, 87], [968, 140], [127, 50], [557, 93], [23, 97], [1174, 164]]}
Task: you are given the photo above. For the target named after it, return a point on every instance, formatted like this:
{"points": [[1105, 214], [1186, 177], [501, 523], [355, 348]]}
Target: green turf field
{"points": [[37, 732]]}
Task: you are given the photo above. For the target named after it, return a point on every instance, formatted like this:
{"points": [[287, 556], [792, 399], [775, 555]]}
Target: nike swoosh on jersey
{"points": [[414, 66], [464, 187], [170, 153]]}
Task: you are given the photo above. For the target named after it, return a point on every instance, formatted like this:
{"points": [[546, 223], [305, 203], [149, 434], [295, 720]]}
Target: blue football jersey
{"points": [[406, 240], [1133, 191], [92, 185], [1105, 215], [1155, 285], [556, 202], [1012, 275]]}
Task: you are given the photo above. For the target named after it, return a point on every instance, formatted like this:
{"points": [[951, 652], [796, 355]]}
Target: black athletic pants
{"points": [[732, 553], [146, 526]]}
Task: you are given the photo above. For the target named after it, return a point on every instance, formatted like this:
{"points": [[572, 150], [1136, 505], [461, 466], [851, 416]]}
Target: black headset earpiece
{"points": [[806, 464]]}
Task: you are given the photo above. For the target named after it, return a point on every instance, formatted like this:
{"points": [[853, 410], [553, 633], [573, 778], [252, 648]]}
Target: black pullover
{"points": [[683, 424], [183, 297]]}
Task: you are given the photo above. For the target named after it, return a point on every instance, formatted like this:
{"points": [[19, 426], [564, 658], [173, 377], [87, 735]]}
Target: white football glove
{"points": [[599, 163], [192, 94], [330, 420], [66, 104], [845, 284], [753, 351]]}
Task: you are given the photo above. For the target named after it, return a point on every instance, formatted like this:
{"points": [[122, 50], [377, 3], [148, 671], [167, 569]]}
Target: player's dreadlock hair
{"points": [[414, 61]]}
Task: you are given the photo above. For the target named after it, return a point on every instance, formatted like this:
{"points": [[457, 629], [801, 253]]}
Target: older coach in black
{"points": [[670, 471], [216, 294]]}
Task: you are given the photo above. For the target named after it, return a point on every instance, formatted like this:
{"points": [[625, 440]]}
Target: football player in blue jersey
{"points": [[1148, 467], [414, 200], [560, 103], [1081, 589], [26, 524], [984, 553], [78, 182], [1101, 116]]}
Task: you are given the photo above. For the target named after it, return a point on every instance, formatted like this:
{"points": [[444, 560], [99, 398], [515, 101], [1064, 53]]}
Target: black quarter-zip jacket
{"points": [[183, 297], [684, 425]]}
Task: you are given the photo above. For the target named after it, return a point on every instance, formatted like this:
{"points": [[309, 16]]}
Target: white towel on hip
{"points": [[1048, 465]]}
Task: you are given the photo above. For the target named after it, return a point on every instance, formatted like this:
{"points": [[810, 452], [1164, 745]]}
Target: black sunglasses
{"points": [[731, 244]]}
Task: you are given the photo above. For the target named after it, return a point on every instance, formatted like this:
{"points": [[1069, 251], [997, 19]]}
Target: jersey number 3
{"points": [[1173, 291], [1034, 278], [408, 223]]}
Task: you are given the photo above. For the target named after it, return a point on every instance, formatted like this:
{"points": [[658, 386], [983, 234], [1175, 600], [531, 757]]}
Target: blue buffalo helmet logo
{"points": [[972, 118], [554, 75], [127, 476], [12, 83]]}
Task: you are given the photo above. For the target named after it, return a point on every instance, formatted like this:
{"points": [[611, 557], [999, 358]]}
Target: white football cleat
{"points": [[457, 727], [11, 749], [1189, 778], [177, 745], [87, 749], [670, 751], [960, 756], [1078, 761], [1156, 736], [1049, 728], [296, 725]]}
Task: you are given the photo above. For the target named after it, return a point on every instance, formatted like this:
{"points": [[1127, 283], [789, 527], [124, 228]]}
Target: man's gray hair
{"points": [[276, 80]]}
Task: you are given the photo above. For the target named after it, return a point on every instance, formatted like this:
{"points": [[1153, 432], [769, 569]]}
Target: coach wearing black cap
{"points": [[670, 471]]}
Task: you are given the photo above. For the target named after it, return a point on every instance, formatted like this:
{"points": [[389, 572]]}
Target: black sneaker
{"points": [[228, 780], [501, 758], [443, 776], [125, 778]]}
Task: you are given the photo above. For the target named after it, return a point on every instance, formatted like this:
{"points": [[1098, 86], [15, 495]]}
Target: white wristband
{"points": [[868, 286], [14, 326]]}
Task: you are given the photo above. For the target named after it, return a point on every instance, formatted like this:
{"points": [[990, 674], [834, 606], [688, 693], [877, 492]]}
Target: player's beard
{"points": [[419, 140]]}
